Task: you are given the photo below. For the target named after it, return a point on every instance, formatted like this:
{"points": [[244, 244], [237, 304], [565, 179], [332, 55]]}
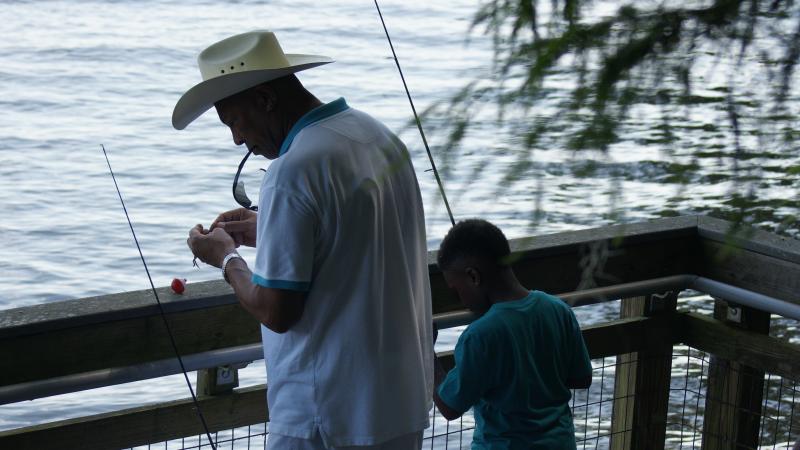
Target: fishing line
{"points": [[160, 308], [416, 117]]}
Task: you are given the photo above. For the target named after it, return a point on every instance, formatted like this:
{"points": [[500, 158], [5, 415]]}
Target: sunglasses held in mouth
{"points": [[238, 187]]}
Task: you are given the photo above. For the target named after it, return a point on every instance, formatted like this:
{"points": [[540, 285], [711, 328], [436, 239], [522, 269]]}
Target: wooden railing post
{"points": [[735, 391], [641, 385], [217, 380]]}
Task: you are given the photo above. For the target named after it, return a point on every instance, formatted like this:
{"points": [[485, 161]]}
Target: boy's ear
{"points": [[473, 275]]}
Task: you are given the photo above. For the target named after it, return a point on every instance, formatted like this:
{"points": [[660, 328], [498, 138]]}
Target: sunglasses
{"points": [[238, 188]]}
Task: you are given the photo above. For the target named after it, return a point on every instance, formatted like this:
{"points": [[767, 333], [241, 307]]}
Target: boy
{"points": [[516, 363]]}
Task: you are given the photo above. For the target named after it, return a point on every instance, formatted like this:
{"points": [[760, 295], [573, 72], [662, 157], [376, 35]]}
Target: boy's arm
{"points": [[580, 376], [438, 376], [581, 383], [464, 384]]}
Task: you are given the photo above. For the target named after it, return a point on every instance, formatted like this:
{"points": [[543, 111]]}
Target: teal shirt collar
{"points": [[514, 303], [313, 116]]}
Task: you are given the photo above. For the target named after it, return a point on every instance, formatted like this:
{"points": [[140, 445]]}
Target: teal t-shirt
{"points": [[512, 366]]}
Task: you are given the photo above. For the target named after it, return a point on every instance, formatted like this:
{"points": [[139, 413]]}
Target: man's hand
{"points": [[240, 224], [210, 246]]}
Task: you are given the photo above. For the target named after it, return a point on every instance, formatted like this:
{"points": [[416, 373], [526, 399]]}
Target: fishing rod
{"points": [[416, 117], [160, 307]]}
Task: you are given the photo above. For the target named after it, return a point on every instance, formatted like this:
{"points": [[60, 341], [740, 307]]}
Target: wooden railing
{"points": [[47, 343]]}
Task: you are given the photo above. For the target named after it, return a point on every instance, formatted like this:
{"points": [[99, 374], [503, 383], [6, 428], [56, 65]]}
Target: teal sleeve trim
{"points": [[281, 284], [315, 115]]}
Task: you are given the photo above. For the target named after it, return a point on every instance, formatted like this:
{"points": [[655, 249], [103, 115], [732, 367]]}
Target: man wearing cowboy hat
{"points": [[340, 281]]}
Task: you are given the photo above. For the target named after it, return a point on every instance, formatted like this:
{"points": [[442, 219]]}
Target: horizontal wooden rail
{"points": [[749, 259], [755, 350], [251, 352], [122, 343], [144, 425], [125, 330]]}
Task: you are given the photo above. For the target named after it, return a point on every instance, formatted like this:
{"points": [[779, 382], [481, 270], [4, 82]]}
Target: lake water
{"points": [[78, 74]]}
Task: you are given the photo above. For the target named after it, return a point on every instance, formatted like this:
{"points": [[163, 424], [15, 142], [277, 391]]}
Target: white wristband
{"points": [[225, 262]]}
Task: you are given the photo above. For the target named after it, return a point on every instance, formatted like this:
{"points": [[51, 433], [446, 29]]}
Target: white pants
{"points": [[412, 441]]}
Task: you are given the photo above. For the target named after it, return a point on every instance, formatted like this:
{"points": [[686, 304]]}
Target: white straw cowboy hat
{"points": [[235, 64]]}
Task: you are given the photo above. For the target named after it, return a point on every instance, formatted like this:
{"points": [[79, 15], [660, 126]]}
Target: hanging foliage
{"points": [[573, 74]]}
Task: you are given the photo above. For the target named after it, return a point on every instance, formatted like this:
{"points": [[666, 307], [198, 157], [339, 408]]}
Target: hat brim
{"points": [[202, 96]]}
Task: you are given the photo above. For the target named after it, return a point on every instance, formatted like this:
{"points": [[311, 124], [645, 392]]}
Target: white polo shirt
{"points": [[340, 216]]}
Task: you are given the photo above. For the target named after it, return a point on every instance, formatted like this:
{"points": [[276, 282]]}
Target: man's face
{"points": [[253, 122], [466, 282]]}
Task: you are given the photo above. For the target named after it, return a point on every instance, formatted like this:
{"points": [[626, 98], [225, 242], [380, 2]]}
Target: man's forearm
{"points": [[239, 277], [277, 309]]}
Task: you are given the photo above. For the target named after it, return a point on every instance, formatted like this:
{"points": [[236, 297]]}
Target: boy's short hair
{"points": [[475, 238]]}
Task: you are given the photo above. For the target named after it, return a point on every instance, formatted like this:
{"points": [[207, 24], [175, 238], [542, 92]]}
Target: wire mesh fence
{"points": [[776, 413], [772, 415], [593, 410]]}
